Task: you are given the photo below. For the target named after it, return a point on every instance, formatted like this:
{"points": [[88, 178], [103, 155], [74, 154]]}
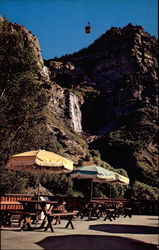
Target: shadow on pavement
{"points": [[86, 242], [126, 229]]}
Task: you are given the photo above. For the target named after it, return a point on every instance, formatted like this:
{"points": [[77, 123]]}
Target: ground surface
{"points": [[139, 232]]}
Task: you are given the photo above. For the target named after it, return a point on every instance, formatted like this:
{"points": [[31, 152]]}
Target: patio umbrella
{"points": [[40, 161], [95, 173], [120, 179]]}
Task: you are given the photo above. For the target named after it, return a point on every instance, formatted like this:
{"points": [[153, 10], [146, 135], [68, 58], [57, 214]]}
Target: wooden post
{"points": [[91, 191]]}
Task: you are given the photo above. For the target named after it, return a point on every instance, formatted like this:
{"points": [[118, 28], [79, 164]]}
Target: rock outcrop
{"points": [[121, 66]]}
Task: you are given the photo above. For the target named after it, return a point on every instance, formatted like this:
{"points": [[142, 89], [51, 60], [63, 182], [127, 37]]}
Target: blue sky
{"points": [[59, 24]]}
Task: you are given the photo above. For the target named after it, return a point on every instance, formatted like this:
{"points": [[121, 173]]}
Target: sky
{"points": [[59, 24]]}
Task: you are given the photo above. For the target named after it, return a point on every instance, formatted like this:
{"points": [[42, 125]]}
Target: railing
{"points": [[12, 201], [147, 207]]}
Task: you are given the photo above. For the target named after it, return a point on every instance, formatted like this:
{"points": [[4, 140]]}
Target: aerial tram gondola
{"points": [[88, 28]]}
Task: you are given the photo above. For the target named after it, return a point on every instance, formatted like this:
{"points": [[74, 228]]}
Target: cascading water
{"points": [[45, 74], [75, 112]]}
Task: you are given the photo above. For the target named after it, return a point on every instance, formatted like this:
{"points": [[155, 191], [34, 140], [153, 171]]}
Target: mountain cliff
{"points": [[122, 68], [98, 105]]}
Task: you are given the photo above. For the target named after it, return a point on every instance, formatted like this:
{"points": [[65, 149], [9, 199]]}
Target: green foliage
{"points": [[21, 107], [20, 55], [22, 98], [136, 131], [148, 175], [16, 182], [105, 190], [23, 102], [118, 191], [141, 191], [58, 184], [82, 186]]}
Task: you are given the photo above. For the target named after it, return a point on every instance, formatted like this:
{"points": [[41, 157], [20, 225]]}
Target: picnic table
{"points": [[90, 209], [97, 208], [32, 207]]}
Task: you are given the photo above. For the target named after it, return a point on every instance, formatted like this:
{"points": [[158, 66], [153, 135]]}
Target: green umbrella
{"points": [[95, 173]]}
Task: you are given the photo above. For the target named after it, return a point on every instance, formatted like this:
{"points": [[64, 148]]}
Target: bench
{"points": [[25, 220], [51, 216]]}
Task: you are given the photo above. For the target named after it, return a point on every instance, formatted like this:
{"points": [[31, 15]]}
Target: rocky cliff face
{"points": [[101, 98], [121, 67]]}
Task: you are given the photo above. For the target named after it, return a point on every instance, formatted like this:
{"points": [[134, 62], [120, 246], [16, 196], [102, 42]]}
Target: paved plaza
{"points": [[139, 232]]}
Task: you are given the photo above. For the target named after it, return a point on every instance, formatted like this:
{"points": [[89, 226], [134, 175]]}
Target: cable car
{"points": [[88, 28]]}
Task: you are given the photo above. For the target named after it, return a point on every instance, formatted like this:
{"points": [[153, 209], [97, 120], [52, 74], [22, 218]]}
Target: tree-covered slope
{"points": [[34, 110]]}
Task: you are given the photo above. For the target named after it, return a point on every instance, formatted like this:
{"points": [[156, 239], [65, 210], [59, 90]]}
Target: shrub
{"points": [[140, 191]]}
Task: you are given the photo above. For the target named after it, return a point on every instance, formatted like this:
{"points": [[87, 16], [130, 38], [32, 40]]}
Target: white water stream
{"points": [[75, 112]]}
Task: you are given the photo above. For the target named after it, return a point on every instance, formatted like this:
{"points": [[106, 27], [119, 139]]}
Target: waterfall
{"points": [[45, 74], [75, 112]]}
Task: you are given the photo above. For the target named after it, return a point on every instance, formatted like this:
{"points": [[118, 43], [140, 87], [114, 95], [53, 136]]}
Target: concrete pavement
{"points": [[139, 232]]}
